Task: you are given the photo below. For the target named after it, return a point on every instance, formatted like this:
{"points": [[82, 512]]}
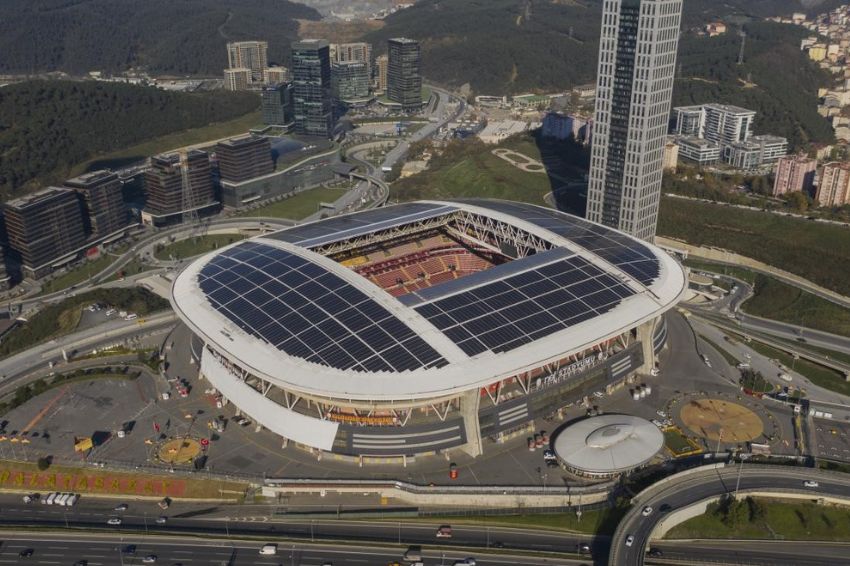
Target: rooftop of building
{"points": [[729, 108], [90, 178], [37, 197], [403, 40], [243, 141]]}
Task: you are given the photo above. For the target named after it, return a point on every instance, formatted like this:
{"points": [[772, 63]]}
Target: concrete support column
{"points": [[469, 404], [644, 334]]}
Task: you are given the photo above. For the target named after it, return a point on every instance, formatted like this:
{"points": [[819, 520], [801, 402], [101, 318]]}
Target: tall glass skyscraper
{"points": [[311, 85], [404, 81], [634, 87]]}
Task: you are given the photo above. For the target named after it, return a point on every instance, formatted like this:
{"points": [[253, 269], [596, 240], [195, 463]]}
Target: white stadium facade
{"points": [[425, 326]]}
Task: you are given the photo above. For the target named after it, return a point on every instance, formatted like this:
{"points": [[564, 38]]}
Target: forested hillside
{"points": [[782, 83], [48, 126], [185, 37]]}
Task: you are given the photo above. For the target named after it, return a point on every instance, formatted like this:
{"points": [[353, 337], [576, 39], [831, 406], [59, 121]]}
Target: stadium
{"points": [[425, 326]]}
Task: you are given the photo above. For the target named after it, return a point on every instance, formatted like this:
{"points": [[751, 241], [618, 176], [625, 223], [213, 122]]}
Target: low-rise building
{"points": [[497, 131], [755, 152], [244, 157], [698, 150], [670, 159]]}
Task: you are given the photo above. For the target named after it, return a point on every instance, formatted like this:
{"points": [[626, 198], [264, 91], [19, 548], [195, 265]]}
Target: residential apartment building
{"points": [[277, 104], [755, 152], [43, 227], [352, 53], [382, 63], [404, 81], [164, 185], [311, 79], [251, 55], [237, 79], [794, 173], [103, 202], [276, 75], [834, 185], [637, 62], [671, 155], [243, 158]]}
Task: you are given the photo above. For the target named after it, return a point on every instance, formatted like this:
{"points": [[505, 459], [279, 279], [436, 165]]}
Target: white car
{"points": [[630, 540], [661, 414], [114, 521], [810, 483], [647, 511], [161, 520], [149, 559]]}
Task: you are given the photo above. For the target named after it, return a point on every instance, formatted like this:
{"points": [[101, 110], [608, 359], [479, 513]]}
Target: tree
{"points": [[798, 201], [43, 463]]}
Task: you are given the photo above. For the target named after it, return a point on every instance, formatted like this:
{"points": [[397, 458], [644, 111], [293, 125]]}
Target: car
{"points": [[129, 549], [122, 507], [464, 562], [549, 454], [161, 520], [269, 549], [654, 372], [661, 414], [647, 511], [810, 483], [655, 553], [551, 463], [445, 531], [327, 564], [26, 553], [115, 521], [149, 559], [81, 563], [630, 540]]}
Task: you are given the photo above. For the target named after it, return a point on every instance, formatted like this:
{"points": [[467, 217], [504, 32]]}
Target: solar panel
{"points": [[622, 251], [506, 314], [308, 312]]}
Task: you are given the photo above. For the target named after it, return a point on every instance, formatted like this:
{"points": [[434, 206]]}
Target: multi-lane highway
{"points": [[689, 488], [104, 550], [751, 552]]}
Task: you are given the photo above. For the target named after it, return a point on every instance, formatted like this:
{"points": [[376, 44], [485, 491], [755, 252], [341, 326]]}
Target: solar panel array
{"points": [[307, 312], [626, 253], [507, 314], [351, 225]]}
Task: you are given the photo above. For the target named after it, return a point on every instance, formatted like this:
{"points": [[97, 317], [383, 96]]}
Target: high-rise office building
{"points": [[794, 173], [311, 83], [350, 84], [164, 180], [834, 185], [103, 201], [404, 81], [243, 158], [43, 227], [637, 61], [237, 79], [382, 64], [249, 55], [276, 104]]}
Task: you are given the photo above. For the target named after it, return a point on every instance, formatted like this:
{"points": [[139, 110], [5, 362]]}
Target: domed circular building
{"points": [[425, 326], [608, 445]]}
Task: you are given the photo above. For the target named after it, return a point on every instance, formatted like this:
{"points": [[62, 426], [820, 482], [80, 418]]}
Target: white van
{"points": [[62, 498], [269, 549], [51, 498]]}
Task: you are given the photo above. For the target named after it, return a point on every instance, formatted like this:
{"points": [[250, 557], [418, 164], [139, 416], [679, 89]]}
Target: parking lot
{"points": [[833, 438]]}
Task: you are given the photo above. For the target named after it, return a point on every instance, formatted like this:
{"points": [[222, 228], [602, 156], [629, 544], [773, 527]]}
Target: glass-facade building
{"points": [[311, 84], [637, 61], [404, 81]]}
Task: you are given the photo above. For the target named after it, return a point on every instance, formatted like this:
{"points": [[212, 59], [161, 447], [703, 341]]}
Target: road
{"points": [[754, 552], [238, 520], [104, 550], [688, 488]]}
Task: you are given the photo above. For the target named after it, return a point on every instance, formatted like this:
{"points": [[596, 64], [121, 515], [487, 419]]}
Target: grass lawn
{"points": [[77, 275], [25, 476], [124, 157], [776, 300], [297, 207], [791, 521], [133, 267], [191, 247], [730, 359], [676, 442], [593, 521], [814, 250], [476, 172], [817, 374]]}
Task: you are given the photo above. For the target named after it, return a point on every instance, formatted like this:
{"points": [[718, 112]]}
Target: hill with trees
{"points": [[48, 126], [161, 36], [776, 79]]}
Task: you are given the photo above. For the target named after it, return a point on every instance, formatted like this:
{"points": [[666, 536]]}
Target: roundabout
{"points": [[721, 420]]}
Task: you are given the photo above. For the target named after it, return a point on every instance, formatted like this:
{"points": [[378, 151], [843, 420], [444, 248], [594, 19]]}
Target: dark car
{"points": [[26, 553], [655, 553], [129, 549]]}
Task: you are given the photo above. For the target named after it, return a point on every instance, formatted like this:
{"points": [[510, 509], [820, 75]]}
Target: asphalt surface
{"points": [[687, 489], [265, 520], [99, 550], [754, 552]]}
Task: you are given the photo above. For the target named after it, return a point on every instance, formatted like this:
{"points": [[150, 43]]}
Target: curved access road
{"points": [[691, 487]]}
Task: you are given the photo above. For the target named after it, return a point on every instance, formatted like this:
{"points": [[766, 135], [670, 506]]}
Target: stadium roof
{"points": [[608, 444], [307, 323]]}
